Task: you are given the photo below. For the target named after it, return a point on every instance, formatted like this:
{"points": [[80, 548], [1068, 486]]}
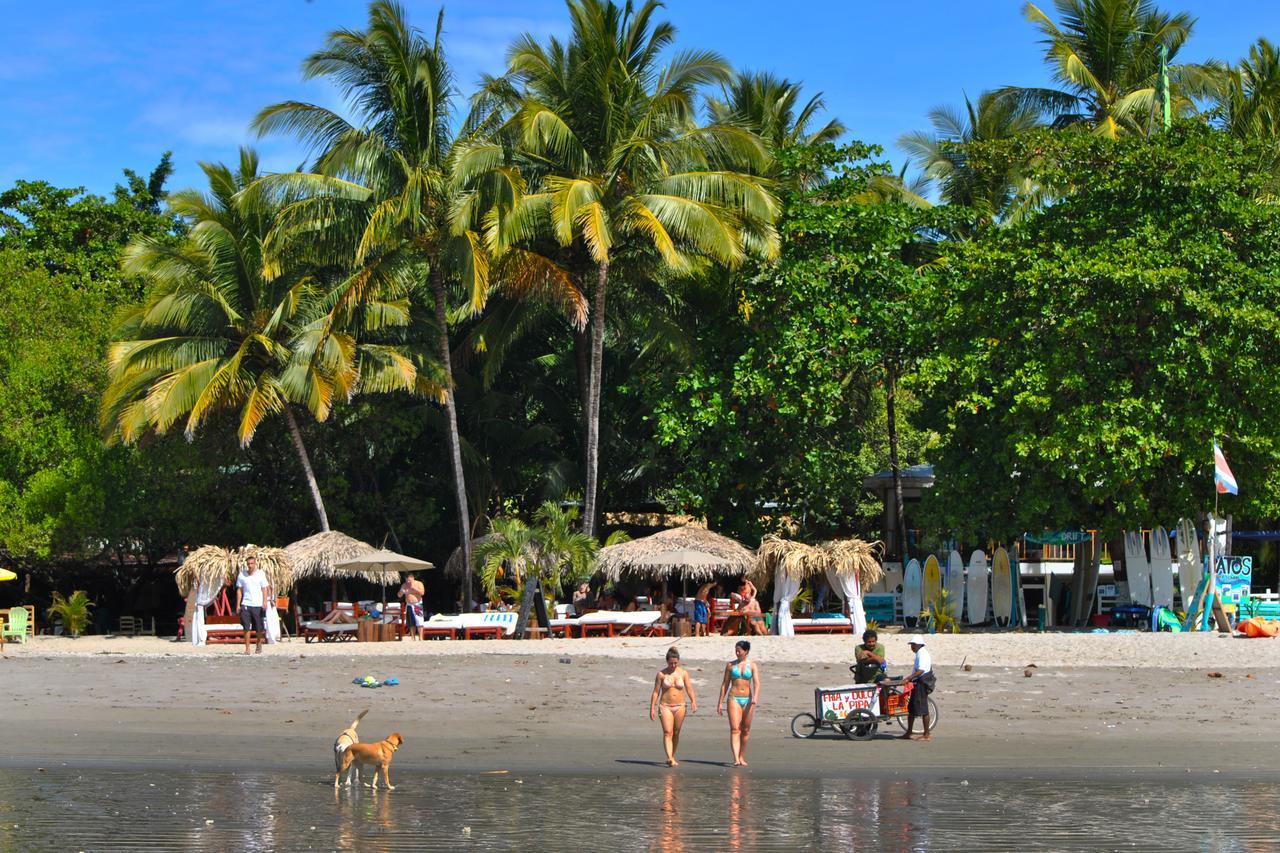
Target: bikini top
{"points": [[670, 681], [745, 672]]}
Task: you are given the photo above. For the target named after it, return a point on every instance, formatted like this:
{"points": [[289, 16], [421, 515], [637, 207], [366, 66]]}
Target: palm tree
{"points": [[223, 329], [1245, 98], [769, 106], [551, 553], [942, 158], [383, 186], [618, 166], [1106, 54]]}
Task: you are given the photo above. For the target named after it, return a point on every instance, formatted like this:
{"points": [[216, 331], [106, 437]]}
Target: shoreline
{"points": [[474, 707]]}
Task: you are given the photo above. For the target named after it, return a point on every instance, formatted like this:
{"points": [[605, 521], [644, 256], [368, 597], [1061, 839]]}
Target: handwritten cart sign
{"points": [[1234, 577], [835, 703]]}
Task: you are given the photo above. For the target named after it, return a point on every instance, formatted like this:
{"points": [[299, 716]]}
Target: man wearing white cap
{"points": [[923, 678]]}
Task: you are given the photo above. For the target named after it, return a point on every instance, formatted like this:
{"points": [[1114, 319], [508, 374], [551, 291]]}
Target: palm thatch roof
{"points": [[453, 566], [274, 561], [214, 564], [635, 557], [318, 556], [801, 561], [208, 563]]}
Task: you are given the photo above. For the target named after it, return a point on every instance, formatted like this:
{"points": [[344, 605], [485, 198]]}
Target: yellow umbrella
{"points": [[6, 575]]}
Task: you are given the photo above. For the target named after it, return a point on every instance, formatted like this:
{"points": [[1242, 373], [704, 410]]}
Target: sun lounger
{"points": [[830, 625], [324, 632], [612, 623]]}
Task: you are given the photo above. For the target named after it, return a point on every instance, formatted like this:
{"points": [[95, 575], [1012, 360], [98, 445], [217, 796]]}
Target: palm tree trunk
{"points": [[455, 443], [593, 400], [296, 435], [891, 415]]}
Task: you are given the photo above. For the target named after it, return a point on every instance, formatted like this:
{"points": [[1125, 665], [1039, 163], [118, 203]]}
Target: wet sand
{"points": [[492, 706]]}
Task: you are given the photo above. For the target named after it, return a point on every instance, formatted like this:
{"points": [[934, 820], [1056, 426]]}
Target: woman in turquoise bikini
{"points": [[740, 694]]}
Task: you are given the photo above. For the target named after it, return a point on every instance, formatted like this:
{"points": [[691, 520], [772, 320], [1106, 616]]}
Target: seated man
{"points": [[870, 659]]}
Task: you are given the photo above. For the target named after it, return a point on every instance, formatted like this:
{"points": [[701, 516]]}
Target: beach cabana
{"points": [[206, 573], [849, 565]]}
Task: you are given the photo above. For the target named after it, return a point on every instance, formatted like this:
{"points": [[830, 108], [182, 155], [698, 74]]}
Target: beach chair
{"points": [[15, 624], [128, 627]]}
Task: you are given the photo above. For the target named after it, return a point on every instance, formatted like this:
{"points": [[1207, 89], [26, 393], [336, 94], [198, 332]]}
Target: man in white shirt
{"points": [[253, 592], [923, 678]]}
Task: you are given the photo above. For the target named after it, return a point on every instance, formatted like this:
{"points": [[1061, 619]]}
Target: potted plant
{"points": [[72, 612]]}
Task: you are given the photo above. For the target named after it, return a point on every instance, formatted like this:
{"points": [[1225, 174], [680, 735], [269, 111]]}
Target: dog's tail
{"points": [[357, 720]]}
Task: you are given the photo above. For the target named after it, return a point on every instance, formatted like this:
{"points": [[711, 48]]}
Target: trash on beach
{"points": [[466, 831], [566, 660], [968, 667], [1026, 673], [1214, 674], [495, 772]]}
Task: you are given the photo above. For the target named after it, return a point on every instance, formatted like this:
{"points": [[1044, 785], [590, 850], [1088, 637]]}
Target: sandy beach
{"points": [[1139, 704]]}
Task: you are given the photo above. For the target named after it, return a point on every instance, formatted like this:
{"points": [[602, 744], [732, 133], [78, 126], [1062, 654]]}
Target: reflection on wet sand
{"points": [[672, 813]]}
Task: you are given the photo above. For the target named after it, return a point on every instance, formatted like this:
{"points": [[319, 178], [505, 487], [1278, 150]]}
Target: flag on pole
{"points": [[1222, 476], [1162, 88]]}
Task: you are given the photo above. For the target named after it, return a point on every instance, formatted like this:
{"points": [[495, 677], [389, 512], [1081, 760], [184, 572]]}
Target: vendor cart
{"points": [[857, 710]]}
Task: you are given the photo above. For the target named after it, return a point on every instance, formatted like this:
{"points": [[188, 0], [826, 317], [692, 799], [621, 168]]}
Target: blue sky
{"points": [[88, 87]]}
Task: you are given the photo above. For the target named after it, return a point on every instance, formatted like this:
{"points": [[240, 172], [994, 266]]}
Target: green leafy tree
{"points": [[225, 329], [783, 411], [1086, 357], [619, 168], [1106, 55]]}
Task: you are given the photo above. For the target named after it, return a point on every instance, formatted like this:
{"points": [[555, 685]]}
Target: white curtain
{"points": [[784, 592], [850, 591], [272, 621], [206, 592]]}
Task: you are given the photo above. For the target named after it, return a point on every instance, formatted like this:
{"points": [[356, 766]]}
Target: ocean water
{"points": [[134, 810]]}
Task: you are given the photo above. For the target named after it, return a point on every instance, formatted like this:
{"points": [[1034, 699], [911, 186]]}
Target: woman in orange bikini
{"points": [[739, 695], [672, 687]]}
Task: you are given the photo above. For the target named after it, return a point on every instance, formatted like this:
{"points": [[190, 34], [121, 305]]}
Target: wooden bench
{"points": [[480, 632], [428, 631]]}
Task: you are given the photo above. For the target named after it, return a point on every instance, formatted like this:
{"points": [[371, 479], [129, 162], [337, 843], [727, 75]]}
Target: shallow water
{"points": [[110, 810]]}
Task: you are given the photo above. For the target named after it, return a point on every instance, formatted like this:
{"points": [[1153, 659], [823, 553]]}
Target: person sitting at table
{"points": [[870, 659]]}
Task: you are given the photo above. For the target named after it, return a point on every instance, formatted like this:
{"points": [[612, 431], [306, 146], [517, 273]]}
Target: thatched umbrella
{"points": [[453, 566], [274, 562], [644, 557], [318, 556]]}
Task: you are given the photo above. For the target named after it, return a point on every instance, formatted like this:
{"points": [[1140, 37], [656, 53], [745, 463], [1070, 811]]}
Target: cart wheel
{"points": [[933, 717], [861, 724], [804, 725]]}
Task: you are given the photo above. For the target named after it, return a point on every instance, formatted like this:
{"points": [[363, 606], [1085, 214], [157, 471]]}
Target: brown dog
{"points": [[342, 744], [378, 755]]}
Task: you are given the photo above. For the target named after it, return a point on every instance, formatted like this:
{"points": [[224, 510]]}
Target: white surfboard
{"points": [[890, 580], [1161, 569], [932, 582], [912, 590], [1001, 589], [1190, 566], [975, 592], [954, 583], [1138, 568]]}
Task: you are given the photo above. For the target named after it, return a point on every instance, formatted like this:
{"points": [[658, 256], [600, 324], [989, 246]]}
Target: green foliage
{"points": [[1086, 357], [73, 612], [781, 412], [937, 614], [561, 556]]}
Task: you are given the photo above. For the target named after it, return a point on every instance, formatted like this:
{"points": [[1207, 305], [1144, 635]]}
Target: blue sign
{"points": [[1234, 577], [879, 606]]}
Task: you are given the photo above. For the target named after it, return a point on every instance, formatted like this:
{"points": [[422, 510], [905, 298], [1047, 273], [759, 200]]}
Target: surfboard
{"points": [[1190, 567], [1001, 589], [955, 584], [1019, 600], [891, 580], [912, 583], [1137, 567], [1161, 569], [932, 582], [975, 592], [1093, 567]]}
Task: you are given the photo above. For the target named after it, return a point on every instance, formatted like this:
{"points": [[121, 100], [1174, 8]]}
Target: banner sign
{"points": [[835, 703], [1234, 577]]}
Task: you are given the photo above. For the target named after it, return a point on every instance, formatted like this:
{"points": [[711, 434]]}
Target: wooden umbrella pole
{"points": [[334, 605]]}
